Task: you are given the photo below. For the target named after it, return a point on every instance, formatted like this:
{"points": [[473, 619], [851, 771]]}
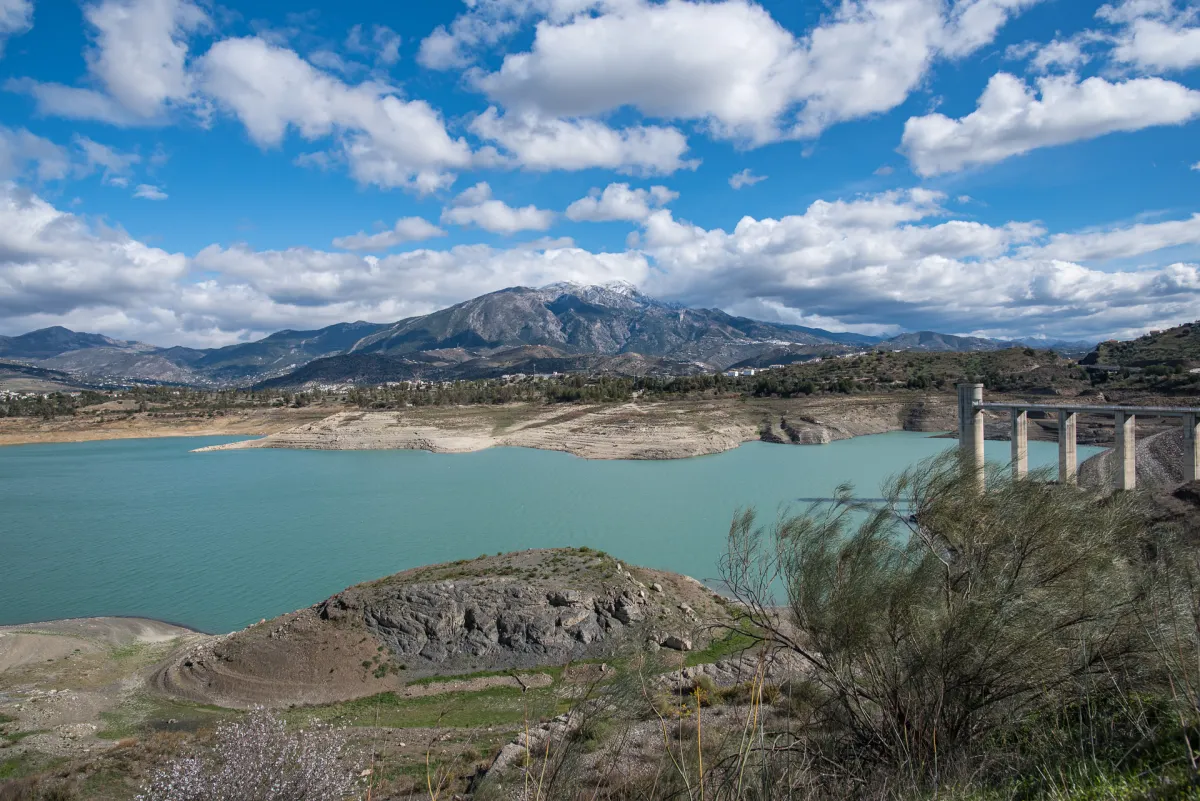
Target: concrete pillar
{"points": [[1123, 434], [964, 416], [1191, 448], [1020, 443], [1068, 461], [970, 426]]}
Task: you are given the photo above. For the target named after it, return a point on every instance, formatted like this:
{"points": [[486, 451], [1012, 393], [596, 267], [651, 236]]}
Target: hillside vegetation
{"points": [[1174, 347], [1014, 370]]}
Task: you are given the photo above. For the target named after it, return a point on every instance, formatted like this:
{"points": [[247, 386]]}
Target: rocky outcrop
{"points": [[521, 610], [504, 622]]}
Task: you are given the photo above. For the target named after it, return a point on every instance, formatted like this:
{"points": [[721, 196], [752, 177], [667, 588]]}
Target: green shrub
{"points": [[944, 616]]}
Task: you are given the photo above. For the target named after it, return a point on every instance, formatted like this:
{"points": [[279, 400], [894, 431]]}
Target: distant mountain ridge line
{"points": [[604, 327]]}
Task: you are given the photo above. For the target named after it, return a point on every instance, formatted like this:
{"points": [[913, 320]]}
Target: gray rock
{"points": [[501, 622], [676, 642], [628, 611], [567, 598]]}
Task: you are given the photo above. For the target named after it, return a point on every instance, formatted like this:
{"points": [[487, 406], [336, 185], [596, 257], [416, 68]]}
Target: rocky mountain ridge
{"points": [[561, 327]]}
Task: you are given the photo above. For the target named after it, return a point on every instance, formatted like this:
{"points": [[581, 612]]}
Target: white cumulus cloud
{"points": [[619, 202], [892, 259], [406, 229], [56, 262], [149, 192], [16, 17], [729, 64], [22, 151], [1135, 240], [877, 262], [476, 206], [387, 140], [115, 167], [744, 178], [1013, 118], [138, 55], [382, 44], [1155, 36], [537, 143]]}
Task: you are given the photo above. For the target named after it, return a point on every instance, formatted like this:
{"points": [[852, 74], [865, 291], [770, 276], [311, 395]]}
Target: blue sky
{"points": [[180, 171]]}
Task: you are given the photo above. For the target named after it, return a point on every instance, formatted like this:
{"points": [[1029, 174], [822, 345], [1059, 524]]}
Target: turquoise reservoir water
{"points": [[219, 540]]}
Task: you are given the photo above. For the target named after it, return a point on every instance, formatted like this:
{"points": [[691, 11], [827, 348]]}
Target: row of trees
{"points": [[49, 406], [559, 389]]}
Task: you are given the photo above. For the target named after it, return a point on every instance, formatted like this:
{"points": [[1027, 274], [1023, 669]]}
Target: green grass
{"points": [[17, 736], [136, 717], [1092, 783], [28, 764], [141, 650], [734, 642], [495, 706], [553, 672]]}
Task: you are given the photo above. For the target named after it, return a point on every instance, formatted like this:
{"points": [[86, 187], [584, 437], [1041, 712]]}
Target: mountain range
{"points": [[557, 328]]}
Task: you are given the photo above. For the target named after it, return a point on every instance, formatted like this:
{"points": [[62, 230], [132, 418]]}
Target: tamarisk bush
{"points": [[258, 759], [934, 623]]}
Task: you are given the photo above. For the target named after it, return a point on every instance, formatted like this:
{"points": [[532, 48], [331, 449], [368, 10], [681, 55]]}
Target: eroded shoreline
{"points": [[102, 426], [634, 430]]}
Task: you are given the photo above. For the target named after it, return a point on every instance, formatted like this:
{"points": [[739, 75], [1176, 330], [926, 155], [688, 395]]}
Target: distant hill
{"points": [[1174, 347], [280, 353], [15, 377], [943, 343], [1067, 347], [841, 337], [94, 356], [46, 343], [134, 365], [377, 368]]}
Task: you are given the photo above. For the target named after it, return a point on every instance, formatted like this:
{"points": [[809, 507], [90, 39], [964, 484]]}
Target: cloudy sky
{"points": [[191, 172]]}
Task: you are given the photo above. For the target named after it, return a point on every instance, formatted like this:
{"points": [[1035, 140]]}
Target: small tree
{"points": [[258, 759], [944, 617]]}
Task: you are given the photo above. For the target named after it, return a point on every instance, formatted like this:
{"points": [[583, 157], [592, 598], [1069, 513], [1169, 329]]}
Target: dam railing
{"points": [[971, 409]]}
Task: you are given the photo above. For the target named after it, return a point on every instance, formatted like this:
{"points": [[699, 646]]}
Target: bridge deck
{"points": [[1156, 411], [971, 407]]}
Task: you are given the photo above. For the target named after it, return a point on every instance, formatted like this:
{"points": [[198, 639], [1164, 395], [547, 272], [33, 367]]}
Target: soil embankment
{"points": [[38, 643], [635, 430]]}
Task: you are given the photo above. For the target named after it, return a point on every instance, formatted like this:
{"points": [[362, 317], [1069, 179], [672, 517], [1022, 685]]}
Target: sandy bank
{"points": [[656, 430], [36, 643], [88, 426]]}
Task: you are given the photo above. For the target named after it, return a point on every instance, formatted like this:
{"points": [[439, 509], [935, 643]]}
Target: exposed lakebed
{"points": [[219, 540]]}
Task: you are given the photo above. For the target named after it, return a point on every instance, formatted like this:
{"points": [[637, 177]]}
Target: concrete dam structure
{"points": [[971, 410]]}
